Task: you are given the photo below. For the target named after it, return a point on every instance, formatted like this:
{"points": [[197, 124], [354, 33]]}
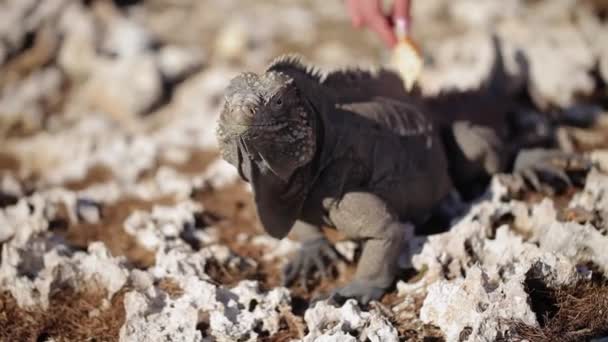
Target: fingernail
{"points": [[401, 27]]}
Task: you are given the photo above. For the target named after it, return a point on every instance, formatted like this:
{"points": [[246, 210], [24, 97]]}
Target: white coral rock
{"points": [[478, 303], [328, 323], [154, 229], [159, 319], [235, 314]]}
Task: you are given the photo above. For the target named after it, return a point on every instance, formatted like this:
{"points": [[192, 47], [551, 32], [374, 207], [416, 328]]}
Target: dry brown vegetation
{"points": [[9, 163], [110, 230], [573, 316], [71, 316], [170, 287], [410, 329], [569, 314], [97, 173]]}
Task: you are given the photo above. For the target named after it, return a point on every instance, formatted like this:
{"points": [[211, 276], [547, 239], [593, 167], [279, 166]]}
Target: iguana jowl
{"points": [[349, 150]]}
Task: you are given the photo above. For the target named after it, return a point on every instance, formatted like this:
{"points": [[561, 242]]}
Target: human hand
{"points": [[369, 13]]}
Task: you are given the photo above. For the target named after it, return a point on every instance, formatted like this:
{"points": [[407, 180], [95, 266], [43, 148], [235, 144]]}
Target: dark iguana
{"points": [[349, 150]]}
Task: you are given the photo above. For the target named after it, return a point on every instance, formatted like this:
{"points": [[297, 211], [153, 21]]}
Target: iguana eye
{"points": [[277, 104]]}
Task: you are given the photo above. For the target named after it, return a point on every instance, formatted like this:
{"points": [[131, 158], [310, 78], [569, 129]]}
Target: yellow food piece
{"points": [[407, 61]]}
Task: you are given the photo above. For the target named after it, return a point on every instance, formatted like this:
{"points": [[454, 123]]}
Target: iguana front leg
{"points": [[315, 254], [365, 216]]}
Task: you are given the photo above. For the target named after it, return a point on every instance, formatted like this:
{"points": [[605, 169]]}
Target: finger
{"points": [[380, 25], [353, 11], [401, 13]]}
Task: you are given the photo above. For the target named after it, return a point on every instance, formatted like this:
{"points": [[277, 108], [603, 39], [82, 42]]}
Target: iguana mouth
{"points": [[268, 127], [255, 125]]}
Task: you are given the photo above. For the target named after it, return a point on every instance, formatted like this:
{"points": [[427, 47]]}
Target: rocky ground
{"points": [[119, 222]]}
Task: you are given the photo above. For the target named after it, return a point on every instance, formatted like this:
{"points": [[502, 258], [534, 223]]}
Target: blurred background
{"points": [[108, 108], [130, 59], [106, 92], [126, 83]]}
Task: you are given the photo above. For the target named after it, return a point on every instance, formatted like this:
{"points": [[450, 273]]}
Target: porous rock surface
{"points": [[488, 264], [109, 175], [152, 315], [328, 323]]}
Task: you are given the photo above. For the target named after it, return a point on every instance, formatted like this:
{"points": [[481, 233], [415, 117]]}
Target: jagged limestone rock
{"points": [[329, 323]]}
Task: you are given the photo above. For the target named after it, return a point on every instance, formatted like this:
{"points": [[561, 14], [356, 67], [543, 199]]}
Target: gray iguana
{"points": [[350, 150]]}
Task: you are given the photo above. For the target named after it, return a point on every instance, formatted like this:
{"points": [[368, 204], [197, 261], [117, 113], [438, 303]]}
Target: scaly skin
{"points": [[350, 150], [315, 158]]}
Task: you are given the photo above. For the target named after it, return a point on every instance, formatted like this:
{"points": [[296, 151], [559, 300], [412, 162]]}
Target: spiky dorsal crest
{"points": [[290, 63], [349, 75], [351, 84], [357, 84]]}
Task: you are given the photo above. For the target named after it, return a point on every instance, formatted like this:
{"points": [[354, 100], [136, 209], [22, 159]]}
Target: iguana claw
{"points": [[314, 256], [363, 292], [541, 166]]}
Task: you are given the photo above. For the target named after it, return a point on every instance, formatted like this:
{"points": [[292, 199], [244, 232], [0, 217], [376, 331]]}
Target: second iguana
{"points": [[349, 150]]}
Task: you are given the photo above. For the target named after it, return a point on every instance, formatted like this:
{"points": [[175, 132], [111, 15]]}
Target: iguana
{"points": [[351, 150]]}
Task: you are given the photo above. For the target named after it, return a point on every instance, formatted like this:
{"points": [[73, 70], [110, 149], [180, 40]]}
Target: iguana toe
{"points": [[314, 256], [531, 177], [549, 167]]}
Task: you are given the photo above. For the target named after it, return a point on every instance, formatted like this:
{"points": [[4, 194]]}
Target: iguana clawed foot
{"points": [[360, 290], [550, 167], [316, 255]]}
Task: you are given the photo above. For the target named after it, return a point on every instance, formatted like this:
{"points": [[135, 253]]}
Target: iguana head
{"points": [[265, 118], [267, 130]]}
